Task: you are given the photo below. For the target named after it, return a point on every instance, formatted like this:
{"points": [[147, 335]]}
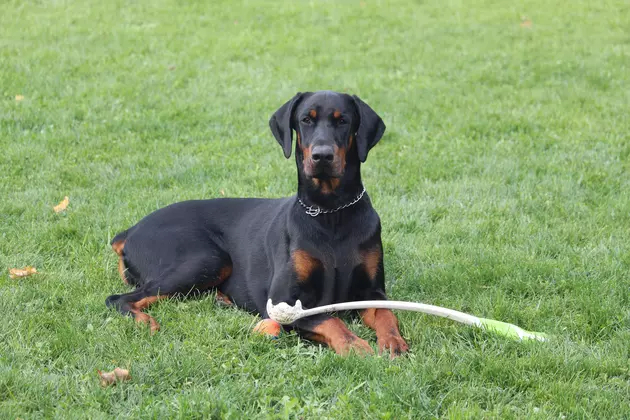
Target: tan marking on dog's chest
{"points": [[304, 264]]}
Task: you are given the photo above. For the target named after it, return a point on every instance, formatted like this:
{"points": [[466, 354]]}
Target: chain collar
{"points": [[314, 211]]}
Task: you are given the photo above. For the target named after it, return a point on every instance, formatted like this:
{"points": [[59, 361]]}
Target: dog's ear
{"points": [[281, 124], [371, 128]]}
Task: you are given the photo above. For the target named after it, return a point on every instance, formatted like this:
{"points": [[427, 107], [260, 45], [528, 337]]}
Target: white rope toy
{"points": [[284, 314]]}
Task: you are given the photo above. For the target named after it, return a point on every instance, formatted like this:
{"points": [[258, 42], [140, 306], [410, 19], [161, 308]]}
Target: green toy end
{"points": [[510, 330]]}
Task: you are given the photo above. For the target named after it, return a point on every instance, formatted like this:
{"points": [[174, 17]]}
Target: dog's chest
{"points": [[345, 258]]}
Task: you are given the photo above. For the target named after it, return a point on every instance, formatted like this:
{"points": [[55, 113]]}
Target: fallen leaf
{"points": [[62, 206], [19, 98], [222, 192], [526, 23], [116, 375], [173, 67], [15, 273]]}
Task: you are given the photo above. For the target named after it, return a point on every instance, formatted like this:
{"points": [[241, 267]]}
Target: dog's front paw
{"points": [[352, 344], [268, 327], [394, 343]]}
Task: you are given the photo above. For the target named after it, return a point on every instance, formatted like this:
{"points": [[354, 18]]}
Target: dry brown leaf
{"points": [[116, 375], [62, 206], [526, 23], [19, 98], [15, 273]]}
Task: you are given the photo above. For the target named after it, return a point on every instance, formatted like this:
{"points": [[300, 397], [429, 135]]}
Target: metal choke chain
{"points": [[316, 211]]}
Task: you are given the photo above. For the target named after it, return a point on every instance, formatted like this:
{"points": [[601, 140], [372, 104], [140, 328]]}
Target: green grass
{"points": [[502, 184]]}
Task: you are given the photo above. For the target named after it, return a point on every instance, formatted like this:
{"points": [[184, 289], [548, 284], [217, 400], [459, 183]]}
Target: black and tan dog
{"points": [[321, 246]]}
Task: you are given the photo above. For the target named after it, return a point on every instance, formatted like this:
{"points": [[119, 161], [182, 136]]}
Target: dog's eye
{"points": [[307, 120], [341, 121]]}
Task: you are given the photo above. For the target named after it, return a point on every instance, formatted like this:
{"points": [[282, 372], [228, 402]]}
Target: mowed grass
{"points": [[502, 183]]}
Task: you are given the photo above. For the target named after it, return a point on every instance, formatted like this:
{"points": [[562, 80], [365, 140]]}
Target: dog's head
{"points": [[333, 130]]}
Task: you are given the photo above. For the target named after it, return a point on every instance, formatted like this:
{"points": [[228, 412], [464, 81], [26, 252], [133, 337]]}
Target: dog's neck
{"points": [[325, 195]]}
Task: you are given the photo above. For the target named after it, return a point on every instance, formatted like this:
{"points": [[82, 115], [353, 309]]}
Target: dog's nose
{"points": [[323, 154]]}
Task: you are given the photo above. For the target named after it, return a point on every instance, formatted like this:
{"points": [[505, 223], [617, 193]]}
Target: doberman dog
{"points": [[321, 246]]}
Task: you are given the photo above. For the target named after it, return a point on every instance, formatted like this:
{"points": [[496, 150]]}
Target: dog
{"points": [[322, 245]]}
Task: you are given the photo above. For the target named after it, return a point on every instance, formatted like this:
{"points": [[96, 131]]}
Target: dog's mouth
{"points": [[325, 177], [322, 172]]}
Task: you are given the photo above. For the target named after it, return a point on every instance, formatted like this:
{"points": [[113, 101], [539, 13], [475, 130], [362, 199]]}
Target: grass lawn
{"points": [[502, 183]]}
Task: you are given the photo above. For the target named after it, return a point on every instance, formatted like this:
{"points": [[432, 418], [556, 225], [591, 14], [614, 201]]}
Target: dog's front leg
{"points": [[296, 281], [334, 333], [382, 321], [385, 324]]}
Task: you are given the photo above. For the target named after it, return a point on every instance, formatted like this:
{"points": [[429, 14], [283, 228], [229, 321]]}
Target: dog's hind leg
{"points": [[195, 275], [133, 303], [118, 247]]}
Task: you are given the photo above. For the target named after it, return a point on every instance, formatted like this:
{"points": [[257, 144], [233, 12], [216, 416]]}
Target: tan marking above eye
{"points": [[337, 114], [312, 113]]}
